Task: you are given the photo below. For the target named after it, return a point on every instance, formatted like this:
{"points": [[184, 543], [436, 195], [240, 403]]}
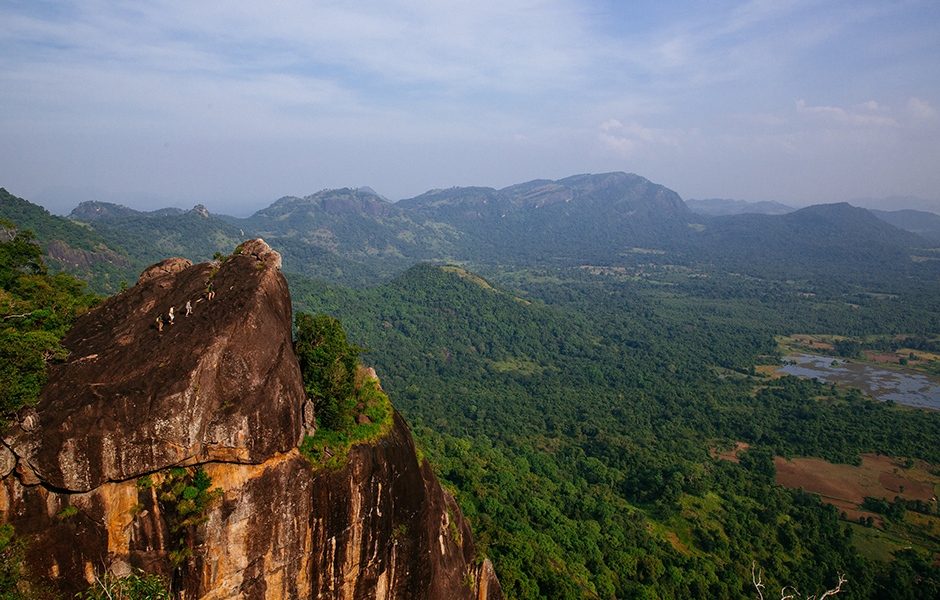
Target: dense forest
{"points": [[36, 309], [573, 416]]}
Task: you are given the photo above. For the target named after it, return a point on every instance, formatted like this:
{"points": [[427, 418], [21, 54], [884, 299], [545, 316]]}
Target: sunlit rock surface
{"points": [[219, 384]]}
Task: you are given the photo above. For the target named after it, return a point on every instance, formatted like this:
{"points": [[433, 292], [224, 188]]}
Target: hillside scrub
{"points": [[36, 309], [349, 403]]}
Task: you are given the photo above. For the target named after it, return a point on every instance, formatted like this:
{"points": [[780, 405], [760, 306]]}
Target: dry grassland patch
{"points": [[878, 476]]}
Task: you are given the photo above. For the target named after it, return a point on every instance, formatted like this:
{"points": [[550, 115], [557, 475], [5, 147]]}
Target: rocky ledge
{"points": [[217, 394]]}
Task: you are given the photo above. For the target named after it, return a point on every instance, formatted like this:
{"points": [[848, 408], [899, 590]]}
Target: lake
{"points": [[911, 388]]}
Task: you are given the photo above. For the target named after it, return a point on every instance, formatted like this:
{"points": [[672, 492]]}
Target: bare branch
{"points": [[756, 579], [783, 592], [22, 316], [835, 590]]}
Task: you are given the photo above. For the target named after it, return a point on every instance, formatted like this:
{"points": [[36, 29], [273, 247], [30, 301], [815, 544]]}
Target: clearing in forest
{"points": [[846, 486]]}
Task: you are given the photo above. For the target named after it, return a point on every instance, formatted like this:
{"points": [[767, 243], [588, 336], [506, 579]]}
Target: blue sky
{"points": [[235, 104]]}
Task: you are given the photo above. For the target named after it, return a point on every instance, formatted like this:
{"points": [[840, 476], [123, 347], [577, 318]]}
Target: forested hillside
{"points": [[36, 310], [77, 250], [575, 425], [819, 243]]}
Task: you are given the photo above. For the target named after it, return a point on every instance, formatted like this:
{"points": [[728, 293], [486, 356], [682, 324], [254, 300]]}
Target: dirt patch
{"points": [[731, 455], [676, 544], [843, 482], [769, 371], [878, 476], [895, 358], [890, 357], [813, 343], [907, 488]]}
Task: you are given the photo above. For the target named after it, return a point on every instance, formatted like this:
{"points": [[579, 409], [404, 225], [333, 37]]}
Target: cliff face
{"points": [[88, 474]]}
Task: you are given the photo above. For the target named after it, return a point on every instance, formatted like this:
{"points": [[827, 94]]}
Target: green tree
{"points": [[36, 310], [17, 581], [328, 364], [136, 586], [12, 554], [23, 356], [20, 255]]}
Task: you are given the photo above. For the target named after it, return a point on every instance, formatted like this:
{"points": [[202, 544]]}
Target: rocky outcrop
{"points": [[135, 397], [83, 259], [375, 520], [220, 391]]}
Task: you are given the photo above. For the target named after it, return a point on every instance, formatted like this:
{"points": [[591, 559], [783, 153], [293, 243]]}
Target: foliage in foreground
{"points": [[36, 310], [185, 498], [350, 406], [136, 586], [328, 365], [328, 448], [16, 580]]}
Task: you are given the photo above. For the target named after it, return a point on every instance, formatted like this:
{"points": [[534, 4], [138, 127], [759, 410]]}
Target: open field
{"points": [[878, 476], [847, 486]]}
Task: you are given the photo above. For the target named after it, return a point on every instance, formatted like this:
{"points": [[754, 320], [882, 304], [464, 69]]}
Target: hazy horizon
{"points": [[153, 204], [170, 103]]}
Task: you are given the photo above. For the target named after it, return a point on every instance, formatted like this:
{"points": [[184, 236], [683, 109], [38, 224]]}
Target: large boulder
{"points": [[89, 476], [387, 529], [221, 384]]}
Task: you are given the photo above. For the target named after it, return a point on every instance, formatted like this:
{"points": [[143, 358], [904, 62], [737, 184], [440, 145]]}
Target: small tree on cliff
{"points": [[328, 364]]}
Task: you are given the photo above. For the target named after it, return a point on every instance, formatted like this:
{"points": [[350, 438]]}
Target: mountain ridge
{"points": [[353, 236]]}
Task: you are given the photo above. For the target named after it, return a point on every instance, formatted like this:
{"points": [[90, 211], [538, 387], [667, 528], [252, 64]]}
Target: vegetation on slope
{"points": [[573, 415], [36, 310], [70, 247], [349, 404], [574, 426]]}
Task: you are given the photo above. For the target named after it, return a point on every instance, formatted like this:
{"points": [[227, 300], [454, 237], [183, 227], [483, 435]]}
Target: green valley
{"points": [[578, 358]]}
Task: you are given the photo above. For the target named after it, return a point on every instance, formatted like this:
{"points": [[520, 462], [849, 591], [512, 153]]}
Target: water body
{"points": [[903, 386]]}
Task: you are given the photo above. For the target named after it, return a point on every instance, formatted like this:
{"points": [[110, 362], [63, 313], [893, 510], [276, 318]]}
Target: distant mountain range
{"points": [[897, 203], [924, 222], [356, 238], [825, 241], [717, 207], [99, 211]]}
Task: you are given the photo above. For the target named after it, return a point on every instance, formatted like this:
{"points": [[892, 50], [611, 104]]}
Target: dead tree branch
{"points": [[788, 592]]}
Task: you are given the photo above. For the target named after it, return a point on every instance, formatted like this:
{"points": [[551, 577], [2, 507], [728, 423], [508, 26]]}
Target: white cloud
{"points": [[630, 139], [505, 44], [291, 66], [520, 84], [921, 110], [839, 117]]}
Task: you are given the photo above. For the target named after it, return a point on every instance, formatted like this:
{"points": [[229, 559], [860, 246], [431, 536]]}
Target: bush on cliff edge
{"points": [[328, 364]]}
